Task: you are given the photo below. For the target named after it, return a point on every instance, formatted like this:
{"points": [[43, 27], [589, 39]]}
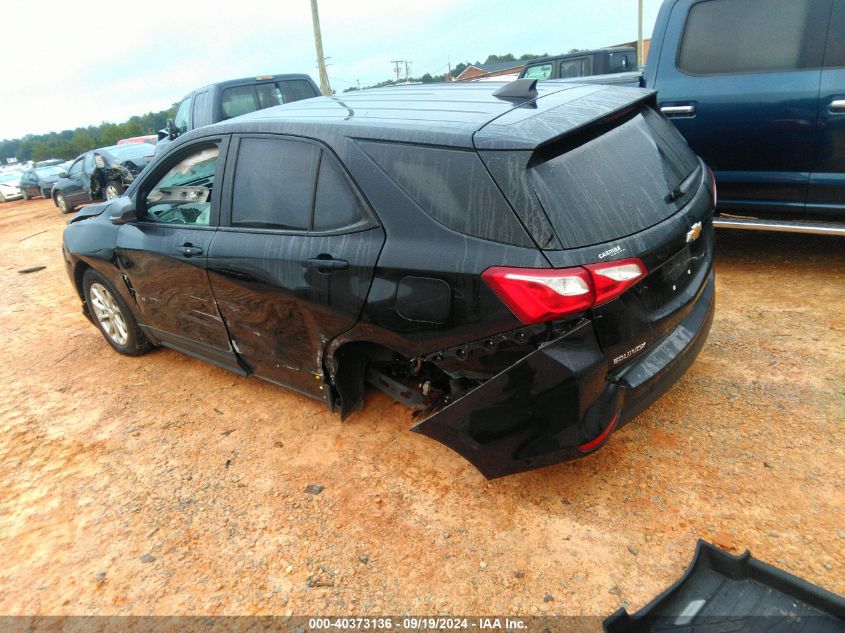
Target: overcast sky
{"points": [[73, 63]]}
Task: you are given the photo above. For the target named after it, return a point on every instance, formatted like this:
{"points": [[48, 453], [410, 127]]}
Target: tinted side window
{"points": [[202, 111], [181, 118], [835, 57], [453, 187], [274, 184], [736, 36], [337, 206], [239, 100]]}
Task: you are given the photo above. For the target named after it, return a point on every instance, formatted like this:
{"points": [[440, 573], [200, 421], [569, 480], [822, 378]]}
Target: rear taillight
{"points": [[545, 294], [613, 278]]}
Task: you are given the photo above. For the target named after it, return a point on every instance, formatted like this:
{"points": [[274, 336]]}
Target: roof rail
{"points": [[518, 89]]}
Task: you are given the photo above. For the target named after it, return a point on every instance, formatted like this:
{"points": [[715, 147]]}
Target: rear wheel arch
{"points": [[347, 367]]}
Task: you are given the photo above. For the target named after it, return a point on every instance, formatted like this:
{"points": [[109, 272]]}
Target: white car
{"points": [[10, 187]]}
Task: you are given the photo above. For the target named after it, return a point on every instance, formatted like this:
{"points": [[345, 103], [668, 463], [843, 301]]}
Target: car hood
{"points": [[90, 211]]}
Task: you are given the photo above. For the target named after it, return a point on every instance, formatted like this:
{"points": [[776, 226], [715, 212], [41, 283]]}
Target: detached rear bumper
{"points": [[560, 403]]}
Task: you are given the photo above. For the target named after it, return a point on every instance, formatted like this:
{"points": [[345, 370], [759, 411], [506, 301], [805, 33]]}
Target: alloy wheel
{"points": [[108, 314]]}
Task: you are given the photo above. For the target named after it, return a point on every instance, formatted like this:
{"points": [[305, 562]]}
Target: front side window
{"points": [[538, 72], [75, 170], [274, 184], [238, 100], [183, 195], [181, 118], [736, 36]]}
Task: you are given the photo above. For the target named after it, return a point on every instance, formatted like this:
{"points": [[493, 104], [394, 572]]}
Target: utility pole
{"points": [[640, 60], [396, 63], [407, 70], [325, 88], [449, 72]]}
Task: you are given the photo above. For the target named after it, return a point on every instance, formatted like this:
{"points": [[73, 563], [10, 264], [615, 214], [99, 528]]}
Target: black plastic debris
{"points": [[722, 593]]}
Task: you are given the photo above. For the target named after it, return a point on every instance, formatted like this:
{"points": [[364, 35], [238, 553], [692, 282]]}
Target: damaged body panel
{"points": [[439, 243]]}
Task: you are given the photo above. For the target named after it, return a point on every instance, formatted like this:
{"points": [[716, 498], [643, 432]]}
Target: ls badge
{"points": [[694, 232]]}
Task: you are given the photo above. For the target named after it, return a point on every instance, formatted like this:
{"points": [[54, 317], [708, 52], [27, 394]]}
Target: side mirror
{"points": [[172, 130], [122, 211], [62, 174]]}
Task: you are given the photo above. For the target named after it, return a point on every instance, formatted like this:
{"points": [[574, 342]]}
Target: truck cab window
{"points": [[543, 71], [181, 118], [725, 36]]}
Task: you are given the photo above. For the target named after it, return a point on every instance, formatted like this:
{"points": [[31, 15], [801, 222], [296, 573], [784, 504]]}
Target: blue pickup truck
{"points": [[757, 87]]}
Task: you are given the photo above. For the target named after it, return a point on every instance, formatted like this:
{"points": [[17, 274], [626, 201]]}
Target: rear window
{"points": [[618, 183], [737, 36], [453, 187]]}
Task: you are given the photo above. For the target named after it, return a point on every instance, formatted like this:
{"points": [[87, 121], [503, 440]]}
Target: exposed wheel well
{"points": [[348, 368]]}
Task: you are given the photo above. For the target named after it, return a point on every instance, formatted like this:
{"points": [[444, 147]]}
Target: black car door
{"points": [[73, 187], [163, 254], [292, 262]]}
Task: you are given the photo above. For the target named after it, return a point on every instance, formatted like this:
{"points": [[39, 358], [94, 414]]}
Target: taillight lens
{"points": [[613, 278], [538, 295], [545, 294]]}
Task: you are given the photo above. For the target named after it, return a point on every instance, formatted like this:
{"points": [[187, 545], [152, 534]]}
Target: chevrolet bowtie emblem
{"points": [[694, 232]]}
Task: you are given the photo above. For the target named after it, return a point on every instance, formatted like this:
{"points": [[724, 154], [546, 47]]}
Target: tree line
{"points": [[71, 143], [428, 78]]}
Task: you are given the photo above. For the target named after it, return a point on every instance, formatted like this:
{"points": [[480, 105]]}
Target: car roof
{"points": [[446, 114]]}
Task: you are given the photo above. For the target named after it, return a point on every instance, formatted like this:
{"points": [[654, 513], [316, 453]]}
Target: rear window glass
{"points": [[451, 186], [618, 183], [295, 90], [274, 184], [237, 101], [737, 36]]}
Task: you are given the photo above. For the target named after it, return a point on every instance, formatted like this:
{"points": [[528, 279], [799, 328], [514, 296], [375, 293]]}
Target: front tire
{"points": [[25, 195], [64, 205], [112, 190], [113, 316]]}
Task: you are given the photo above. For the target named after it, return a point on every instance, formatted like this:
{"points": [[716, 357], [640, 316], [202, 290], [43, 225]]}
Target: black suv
{"points": [[529, 268]]}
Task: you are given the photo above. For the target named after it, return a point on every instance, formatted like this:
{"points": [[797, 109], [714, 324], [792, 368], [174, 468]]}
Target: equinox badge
{"points": [[694, 232]]}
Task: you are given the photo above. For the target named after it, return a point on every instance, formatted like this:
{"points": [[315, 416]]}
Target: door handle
{"points": [[326, 263], [189, 250], [678, 110], [837, 106]]}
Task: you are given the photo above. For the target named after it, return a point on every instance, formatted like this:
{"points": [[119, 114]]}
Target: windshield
{"points": [[7, 178], [121, 153]]}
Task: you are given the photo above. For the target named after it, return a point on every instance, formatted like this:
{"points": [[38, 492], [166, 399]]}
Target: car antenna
{"points": [[518, 89]]}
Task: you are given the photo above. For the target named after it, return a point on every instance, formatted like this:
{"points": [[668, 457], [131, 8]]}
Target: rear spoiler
{"points": [[549, 118]]}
